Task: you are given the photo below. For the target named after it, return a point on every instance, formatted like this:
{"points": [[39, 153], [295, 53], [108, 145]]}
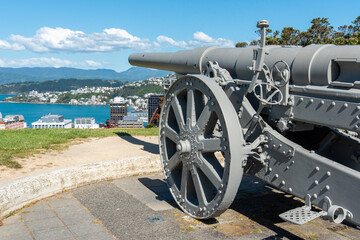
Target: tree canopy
{"points": [[320, 32]]}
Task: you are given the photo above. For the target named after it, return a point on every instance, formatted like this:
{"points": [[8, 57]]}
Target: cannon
{"points": [[287, 115]]}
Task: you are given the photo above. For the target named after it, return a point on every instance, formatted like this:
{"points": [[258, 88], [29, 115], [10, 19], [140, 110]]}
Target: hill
{"points": [[37, 74], [56, 85]]}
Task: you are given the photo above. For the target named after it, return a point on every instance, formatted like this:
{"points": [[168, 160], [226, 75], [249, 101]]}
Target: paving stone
{"points": [[86, 228], [41, 214], [59, 203], [12, 230], [47, 223], [97, 236], [26, 236], [53, 234], [351, 233], [16, 219], [74, 209], [42, 205], [331, 236], [78, 217]]}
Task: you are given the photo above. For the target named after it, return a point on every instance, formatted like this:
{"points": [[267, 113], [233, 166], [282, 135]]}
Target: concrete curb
{"points": [[16, 194]]}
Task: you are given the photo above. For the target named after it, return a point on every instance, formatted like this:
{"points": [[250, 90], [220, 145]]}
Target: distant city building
{"points": [[12, 122], [52, 121], [154, 107], [85, 123], [118, 109], [131, 122], [119, 100]]}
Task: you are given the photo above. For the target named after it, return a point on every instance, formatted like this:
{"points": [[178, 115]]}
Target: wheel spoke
{"points": [[184, 181], [170, 133], [200, 194], [210, 173], [190, 107], [174, 161], [178, 112], [204, 117], [211, 144]]}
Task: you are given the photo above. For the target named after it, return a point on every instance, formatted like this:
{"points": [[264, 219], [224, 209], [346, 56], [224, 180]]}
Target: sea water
{"points": [[33, 112]]}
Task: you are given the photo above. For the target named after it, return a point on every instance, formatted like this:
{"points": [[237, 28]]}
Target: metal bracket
{"points": [[221, 75]]}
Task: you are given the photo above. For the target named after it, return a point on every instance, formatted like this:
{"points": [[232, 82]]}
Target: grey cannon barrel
{"points": [[314, 64]]}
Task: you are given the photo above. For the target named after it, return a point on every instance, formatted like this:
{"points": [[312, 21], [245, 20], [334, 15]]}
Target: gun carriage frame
{"points": [[273, 123]]}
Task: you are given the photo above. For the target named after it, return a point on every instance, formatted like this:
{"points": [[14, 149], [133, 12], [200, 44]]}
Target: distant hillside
{"points": [[14, 75], [56, 85]]}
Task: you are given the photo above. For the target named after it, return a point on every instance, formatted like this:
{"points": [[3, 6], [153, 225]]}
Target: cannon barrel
{"points": [[314, 64]]}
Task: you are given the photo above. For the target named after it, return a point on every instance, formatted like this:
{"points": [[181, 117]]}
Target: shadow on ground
{"points": [[254, 200], [149, 147], [160, 188]]}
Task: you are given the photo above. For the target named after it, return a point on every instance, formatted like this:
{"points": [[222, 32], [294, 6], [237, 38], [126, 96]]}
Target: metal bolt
{"points": [[322, 102], [212, 103], [270, 169], [358, 107], [311, 100], [301, 99], [290, 189], [316, 182], [327, 187], [276, 175], [283, 182], [315, 195], [333, 103], [274, 145], [346, 105], [328, 173], [287, 167], [317, 168]]}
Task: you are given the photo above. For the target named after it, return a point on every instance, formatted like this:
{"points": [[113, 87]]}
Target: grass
{"points": [[25, 142]]}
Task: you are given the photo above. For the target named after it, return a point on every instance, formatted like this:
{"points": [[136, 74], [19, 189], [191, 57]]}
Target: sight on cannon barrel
{"points": [[287, 115]]}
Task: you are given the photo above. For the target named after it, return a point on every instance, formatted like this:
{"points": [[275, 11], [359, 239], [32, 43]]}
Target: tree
{"points": [[241, 44], [320, 32]]}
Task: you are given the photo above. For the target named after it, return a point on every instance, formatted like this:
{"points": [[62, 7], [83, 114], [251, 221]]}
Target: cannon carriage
{"points": [[287, 115]]}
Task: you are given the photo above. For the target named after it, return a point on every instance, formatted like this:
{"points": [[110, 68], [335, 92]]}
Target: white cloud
{"points": [[200, 39], [8, 46], [60, 39], [48, 62], [164, 39]]}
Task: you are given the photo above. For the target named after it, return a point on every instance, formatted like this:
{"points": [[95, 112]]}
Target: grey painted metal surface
{"points": [[285, 114]]}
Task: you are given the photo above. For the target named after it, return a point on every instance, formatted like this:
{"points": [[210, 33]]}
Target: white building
{"points": [[85, 123], [119, 100], [52, 121]]}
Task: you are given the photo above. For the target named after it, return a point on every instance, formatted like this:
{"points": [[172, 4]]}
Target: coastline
{"points": [[108, 104]]}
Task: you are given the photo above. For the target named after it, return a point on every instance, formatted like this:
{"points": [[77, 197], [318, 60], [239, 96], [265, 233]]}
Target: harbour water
{"points": [[33, 112]]}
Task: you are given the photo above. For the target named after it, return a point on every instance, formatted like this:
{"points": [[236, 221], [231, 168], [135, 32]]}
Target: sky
{"points": [[91, 34]]}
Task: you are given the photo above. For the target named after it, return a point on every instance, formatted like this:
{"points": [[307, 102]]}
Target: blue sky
{"points": [[101, 34]]}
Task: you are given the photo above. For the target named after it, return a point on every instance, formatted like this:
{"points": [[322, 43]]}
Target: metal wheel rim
{"points": [[187, 146]]}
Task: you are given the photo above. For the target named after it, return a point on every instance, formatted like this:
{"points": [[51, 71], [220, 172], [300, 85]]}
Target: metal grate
{"points": [[300, 215], [156, 219]]}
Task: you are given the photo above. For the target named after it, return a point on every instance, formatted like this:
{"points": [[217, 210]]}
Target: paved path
{"points": [[142, 208]]}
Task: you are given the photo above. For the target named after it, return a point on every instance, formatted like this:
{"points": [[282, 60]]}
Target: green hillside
{"points": [[56, 85]]}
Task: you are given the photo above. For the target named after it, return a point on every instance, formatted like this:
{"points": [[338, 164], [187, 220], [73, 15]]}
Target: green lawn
{"points": [[23, 143]]}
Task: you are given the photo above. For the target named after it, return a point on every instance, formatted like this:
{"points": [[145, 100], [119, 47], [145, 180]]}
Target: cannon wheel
{"points": [[200, 140]]}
